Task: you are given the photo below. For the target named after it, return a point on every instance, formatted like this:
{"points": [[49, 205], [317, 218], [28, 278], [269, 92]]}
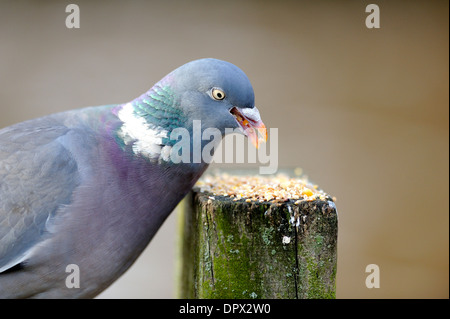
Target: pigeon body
{"points": [[91, 187]]}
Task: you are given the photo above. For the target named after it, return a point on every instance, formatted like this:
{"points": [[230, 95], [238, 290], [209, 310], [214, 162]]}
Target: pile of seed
{"points": [[259, 188]]}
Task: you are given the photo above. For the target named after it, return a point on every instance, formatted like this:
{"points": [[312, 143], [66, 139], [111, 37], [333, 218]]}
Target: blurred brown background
{"points": [[364, 112]]}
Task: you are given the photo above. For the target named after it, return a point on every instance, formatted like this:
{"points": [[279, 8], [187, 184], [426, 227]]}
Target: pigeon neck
{"points": [[147, 122], [154, 126]]}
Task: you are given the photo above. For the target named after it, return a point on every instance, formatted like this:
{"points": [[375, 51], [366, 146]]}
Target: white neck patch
{"points": [[146, 138]]}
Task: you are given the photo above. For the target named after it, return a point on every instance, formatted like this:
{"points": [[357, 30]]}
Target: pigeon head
{"points": [[214, 94], [220, 95]]}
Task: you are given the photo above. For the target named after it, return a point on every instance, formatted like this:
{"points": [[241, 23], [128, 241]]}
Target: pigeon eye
{"points": [[218, 94]]}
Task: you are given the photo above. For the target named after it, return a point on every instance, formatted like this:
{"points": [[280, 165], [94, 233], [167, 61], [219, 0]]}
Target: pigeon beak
{"points": [[250, 122]]}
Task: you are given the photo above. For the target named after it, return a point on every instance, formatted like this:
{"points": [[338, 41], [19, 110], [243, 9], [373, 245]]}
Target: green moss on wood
{"points": [[235, 249]]}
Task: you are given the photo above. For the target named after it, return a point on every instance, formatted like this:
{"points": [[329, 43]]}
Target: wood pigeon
{"points": [[87, 189]]}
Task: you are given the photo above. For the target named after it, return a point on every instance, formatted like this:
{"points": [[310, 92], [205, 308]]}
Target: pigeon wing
{"points": [[37, 176]]}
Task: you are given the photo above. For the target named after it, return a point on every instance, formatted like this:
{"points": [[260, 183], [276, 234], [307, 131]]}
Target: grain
{"points": [[261, 188]]}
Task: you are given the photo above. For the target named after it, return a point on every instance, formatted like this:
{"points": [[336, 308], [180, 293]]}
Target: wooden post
{"points": [[242, 249]]}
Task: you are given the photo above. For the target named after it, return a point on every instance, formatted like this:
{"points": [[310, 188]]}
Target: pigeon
{"points": [[83, 192]]}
